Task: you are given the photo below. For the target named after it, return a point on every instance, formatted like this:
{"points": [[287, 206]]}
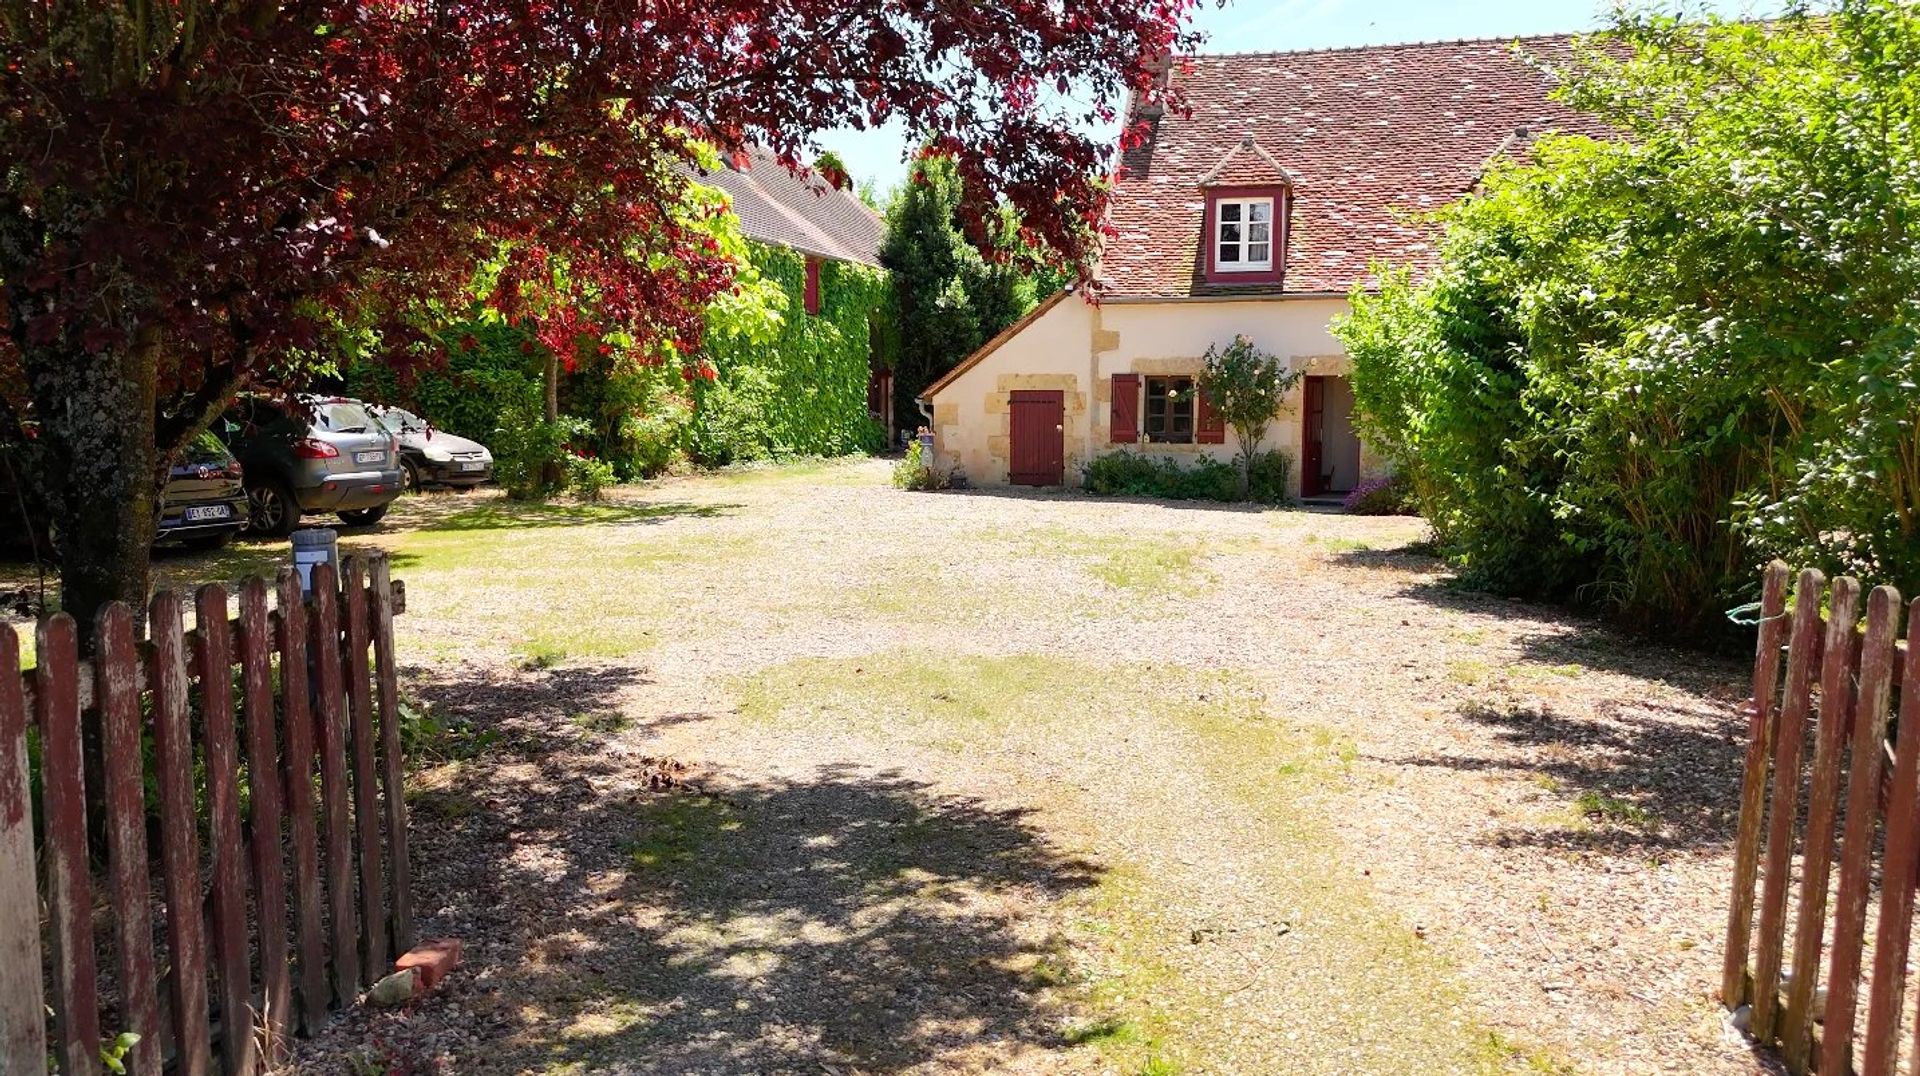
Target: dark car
{"points": [[204, 502], [316, 454], [434, 457]]}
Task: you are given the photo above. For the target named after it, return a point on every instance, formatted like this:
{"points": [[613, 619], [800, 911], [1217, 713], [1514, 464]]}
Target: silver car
{"points": [[432, 456], [335, 458]]}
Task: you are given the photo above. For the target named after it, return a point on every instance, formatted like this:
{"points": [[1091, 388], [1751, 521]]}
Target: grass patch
{"points": [[810, 470], [526, 515], [1568, 671], [1149, 566], [1498, 1052], [1470, 672], [1600, 807], [604, 723], [676, 833]]}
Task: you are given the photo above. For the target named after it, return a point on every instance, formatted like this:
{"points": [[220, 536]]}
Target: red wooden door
{"points": [[1037, 448], [1313, 414]]}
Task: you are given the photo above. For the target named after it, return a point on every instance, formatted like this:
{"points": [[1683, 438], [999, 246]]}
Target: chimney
{"points": [[1161, 67]]}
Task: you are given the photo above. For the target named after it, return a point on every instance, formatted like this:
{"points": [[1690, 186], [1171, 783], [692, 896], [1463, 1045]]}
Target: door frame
{"points": [[1057, 398]]}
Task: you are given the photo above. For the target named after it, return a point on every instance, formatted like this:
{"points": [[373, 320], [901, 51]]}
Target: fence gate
{"points": [[300, 894], [1824, 746]]}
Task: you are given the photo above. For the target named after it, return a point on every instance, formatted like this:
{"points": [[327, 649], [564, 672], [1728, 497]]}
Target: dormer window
{"points": [[1243, 235], [1246, 234]]}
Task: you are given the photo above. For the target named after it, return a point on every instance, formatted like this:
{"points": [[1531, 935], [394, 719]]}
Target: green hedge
{"points": [[1129, 473], [1646, 365]]}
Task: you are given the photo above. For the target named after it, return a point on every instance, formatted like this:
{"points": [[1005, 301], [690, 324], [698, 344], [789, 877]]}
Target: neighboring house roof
{"points": [[1361, 136], [803, 212]]}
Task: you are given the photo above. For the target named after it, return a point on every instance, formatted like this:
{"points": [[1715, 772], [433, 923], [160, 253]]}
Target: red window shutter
{"points": [[813, 286], [1126, 408], [1208, 429]]}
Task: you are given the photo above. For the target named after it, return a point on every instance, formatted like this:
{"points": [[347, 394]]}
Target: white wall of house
{"points": [[1077, 348]]}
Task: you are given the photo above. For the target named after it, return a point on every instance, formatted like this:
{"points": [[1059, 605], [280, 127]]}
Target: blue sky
{"points": [[1262, 25]]}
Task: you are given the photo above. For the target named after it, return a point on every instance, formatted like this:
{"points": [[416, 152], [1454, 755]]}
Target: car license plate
{"points": [[375, 456], [473, 466], [211, 511]]}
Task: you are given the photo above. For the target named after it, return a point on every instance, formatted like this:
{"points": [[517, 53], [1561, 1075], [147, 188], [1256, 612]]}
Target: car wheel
{"points": [[361, 517], [411, 476], [271, 510]]}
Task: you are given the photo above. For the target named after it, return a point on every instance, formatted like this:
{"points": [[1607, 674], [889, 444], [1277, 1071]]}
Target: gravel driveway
{"points": [[793, 772]]}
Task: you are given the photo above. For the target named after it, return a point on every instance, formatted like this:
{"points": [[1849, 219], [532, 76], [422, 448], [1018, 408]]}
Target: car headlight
{"points": [[439, 455]]}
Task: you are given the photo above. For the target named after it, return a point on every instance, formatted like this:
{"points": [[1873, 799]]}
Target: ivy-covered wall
{"points": [[787, 383]]}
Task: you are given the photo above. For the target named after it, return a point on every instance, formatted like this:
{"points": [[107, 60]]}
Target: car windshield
{"points": [[399, 421], [205, 448], [342, 416]]}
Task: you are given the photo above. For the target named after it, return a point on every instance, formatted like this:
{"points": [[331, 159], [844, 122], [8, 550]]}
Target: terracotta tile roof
{"points": [[803, 212], [1365, 134]]}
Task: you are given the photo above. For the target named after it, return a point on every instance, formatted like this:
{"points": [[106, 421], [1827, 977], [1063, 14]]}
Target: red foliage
{"points": [[223, 180]]}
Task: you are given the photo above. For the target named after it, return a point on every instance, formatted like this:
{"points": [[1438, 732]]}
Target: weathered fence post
{"points": [[1863, 811], [269, 864], [366, 790], [386, 667], [298, 724], [116, 693], [56, 704], [179, 838], [1897, 874], [1762, 717], [1786, 759], [22, 1012], [333, 783], [214, 654]]}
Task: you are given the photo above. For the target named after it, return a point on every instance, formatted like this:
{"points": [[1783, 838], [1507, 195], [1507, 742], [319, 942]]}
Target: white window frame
{"points": [[1245, 238]]}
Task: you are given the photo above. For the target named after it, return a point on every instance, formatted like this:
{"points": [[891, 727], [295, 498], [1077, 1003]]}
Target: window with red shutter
{"points": [[813, 286], [1208, 427], [1126, 409]]}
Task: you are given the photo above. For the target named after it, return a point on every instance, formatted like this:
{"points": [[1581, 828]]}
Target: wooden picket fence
{"points": [[257, 938], [1860, 799]]}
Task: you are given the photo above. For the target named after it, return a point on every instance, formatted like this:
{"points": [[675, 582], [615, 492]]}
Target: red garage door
{"points": [[1037, 438]]}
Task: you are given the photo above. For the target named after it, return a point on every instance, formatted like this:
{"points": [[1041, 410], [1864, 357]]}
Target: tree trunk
{"points": [[100, 471], [552, 475]]}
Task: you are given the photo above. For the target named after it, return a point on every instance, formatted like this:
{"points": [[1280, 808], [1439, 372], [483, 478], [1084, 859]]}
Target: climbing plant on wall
{"points": [[787, 383]]}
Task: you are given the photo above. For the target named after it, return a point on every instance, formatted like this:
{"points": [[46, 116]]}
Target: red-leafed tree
{"points": [[191, 190]]}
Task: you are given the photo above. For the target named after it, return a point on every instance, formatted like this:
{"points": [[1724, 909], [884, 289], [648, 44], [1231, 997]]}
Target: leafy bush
{"points": [[730, 425], [1646, 365], [913, 472], [1378, 497], [1267, 475], [1131, 474], [587, 476], [530, 454]]}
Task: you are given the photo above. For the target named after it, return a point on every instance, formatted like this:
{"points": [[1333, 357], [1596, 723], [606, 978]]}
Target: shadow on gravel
{"points": [[1646, 779], [1412, 557], [624, 914], [502, 514]]}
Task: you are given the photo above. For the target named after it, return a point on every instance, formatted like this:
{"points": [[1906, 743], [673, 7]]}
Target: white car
{"points": [[434, 457]]}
